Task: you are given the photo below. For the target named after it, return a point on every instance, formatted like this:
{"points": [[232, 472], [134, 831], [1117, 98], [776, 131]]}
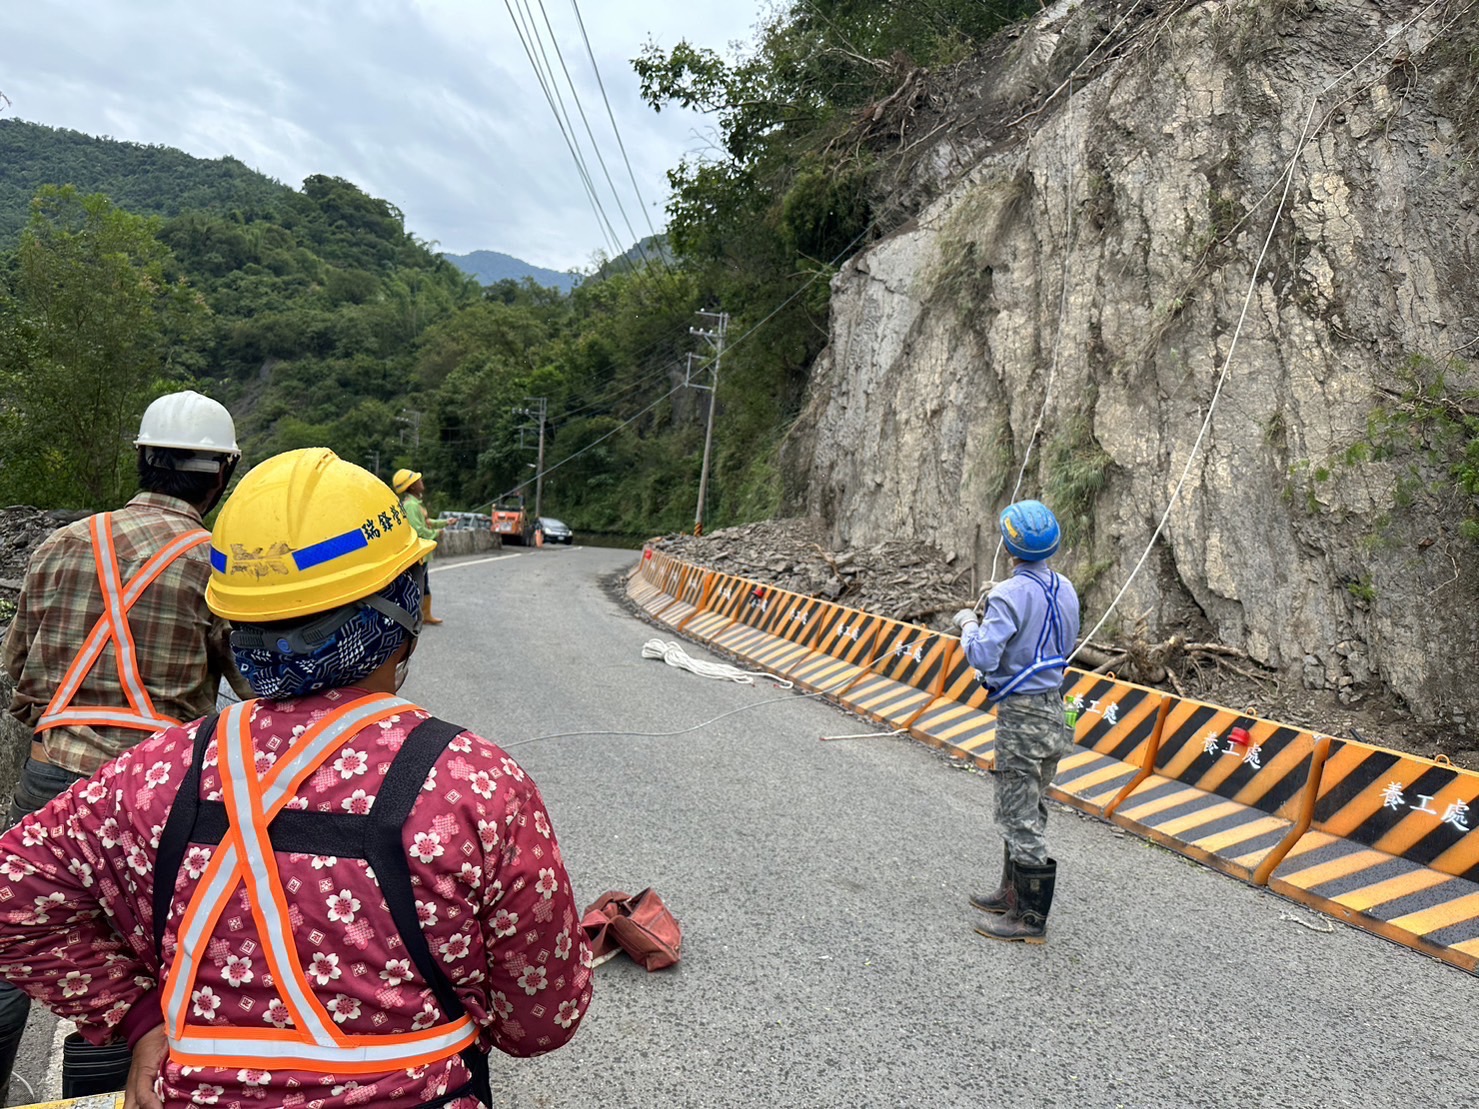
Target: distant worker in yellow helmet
{"points": [[412, 491]]}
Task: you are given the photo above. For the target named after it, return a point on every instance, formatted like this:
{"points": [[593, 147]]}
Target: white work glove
{"points": [[965, 616]]}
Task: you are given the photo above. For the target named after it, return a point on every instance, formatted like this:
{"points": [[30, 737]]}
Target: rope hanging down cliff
{"points": [[1287, 179]]}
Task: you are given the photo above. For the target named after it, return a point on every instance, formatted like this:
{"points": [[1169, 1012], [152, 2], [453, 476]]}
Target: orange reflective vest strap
{"points": [[223, 872], [266, 1048], [112, 627], [313, 1042]]}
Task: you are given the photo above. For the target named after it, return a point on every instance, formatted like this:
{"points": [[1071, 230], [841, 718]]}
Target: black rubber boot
{"points": [[14, 1006], [1028, 922], [1004, 900], [88, 1070]]}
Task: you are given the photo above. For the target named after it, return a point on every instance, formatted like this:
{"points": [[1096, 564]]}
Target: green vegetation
{"points": [[1428, 432], [961, 275], [1075, 470], [319, 320], [95, 325], [148, 180]]}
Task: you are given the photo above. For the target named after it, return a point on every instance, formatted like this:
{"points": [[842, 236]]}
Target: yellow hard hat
{"points": [[404, 479], [306, 532]]}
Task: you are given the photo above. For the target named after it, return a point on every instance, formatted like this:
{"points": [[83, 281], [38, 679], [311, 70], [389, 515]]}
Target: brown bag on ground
{"points": [[642, 926]]}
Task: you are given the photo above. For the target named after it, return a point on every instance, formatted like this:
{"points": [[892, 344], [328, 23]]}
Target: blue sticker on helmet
{"points": [[330, 549]]}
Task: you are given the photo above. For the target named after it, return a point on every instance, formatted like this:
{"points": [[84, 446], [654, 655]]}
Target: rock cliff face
{"points": [[1127, 200]]}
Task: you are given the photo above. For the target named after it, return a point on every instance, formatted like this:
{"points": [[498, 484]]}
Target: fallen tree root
{"points": [[1167, 663]]}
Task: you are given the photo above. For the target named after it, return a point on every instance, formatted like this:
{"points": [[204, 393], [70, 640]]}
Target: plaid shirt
{"points": [[182, 649]]}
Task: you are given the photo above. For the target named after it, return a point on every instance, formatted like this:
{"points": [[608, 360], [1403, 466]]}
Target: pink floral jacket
{"points": [[494, 900]]}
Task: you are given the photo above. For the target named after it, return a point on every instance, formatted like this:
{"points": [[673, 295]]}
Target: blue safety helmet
{"points": [[1030, 530]]}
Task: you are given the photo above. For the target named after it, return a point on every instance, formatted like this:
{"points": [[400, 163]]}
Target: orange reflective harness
{"points": [[112, 627], [250, 826]]}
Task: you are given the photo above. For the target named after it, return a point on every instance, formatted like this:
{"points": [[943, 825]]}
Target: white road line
{"points": [[51, 1086], [474, 562]]}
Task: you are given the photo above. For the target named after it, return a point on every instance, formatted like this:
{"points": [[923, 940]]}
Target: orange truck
{"points": [[512, 522]]}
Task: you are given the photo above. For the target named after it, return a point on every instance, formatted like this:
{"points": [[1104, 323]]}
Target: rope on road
{"points": [[674, 655], [661, 735], [662, 651]]}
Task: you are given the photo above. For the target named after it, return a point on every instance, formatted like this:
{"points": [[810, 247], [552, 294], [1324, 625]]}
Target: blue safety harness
{"points": [[1052, 638]]}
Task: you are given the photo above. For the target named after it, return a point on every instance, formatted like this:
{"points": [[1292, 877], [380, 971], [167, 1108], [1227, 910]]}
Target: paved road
{"points": [[828, 954]]}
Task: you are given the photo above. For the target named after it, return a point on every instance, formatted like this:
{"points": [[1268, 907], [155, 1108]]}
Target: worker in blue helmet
{"points": [[1020, 650]]}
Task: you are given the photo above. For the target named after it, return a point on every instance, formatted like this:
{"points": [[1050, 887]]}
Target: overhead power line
{"points": [[636, 189], [593, 444], [529, 38], [590, 134]]}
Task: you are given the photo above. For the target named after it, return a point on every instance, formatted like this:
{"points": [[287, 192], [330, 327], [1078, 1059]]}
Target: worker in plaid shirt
{"points": [[112, 641]]}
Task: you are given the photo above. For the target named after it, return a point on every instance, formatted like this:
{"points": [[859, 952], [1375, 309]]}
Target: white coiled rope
{"points": [[674, 655]]}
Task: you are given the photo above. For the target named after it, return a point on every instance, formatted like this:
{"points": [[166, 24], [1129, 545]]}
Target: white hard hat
{"points": [[187, 421]]}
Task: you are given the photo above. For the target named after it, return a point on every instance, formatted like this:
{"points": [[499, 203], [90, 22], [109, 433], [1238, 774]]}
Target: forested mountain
{"points": [[320, 319], [490, 267], [149, 180]]}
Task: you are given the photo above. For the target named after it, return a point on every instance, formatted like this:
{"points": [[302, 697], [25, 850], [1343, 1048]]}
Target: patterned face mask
{"points": [[351, 654]]}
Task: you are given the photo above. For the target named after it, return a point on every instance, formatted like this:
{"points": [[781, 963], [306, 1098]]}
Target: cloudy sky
{"points": [[431, 104]]}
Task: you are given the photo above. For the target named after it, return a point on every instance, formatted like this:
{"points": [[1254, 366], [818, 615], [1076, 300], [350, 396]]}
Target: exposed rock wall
{"points": [[1089, 266]]}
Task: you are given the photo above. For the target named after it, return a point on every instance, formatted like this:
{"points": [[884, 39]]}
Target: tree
{"points": [[92, 328]]}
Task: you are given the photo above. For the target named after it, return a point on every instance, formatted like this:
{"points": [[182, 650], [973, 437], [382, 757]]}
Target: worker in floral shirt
{"points": [[324, 896]]}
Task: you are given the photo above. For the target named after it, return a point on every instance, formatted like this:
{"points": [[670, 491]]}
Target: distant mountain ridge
{"points": [[149, 180], [163, 181], [489, 266]]}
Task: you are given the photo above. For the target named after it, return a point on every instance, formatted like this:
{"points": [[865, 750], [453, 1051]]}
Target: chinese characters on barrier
{"points": [[1110, 713], [1250, 752], [1457, 813]]}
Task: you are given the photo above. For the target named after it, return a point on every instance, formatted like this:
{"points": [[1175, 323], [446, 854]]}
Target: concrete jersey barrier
{"points": [[1379, 839]]}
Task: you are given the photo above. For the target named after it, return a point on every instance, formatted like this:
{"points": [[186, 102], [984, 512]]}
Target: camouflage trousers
{"points": [[1031, 736]]}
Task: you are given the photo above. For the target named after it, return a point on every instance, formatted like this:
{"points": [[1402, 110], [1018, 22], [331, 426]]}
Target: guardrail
{"points": [[1384, 841]]}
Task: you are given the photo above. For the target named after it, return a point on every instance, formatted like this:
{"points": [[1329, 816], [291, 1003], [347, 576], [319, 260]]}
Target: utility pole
{"points": [[412, 419], [715, 338], [538, 410], [539, 461], [374, 459]]}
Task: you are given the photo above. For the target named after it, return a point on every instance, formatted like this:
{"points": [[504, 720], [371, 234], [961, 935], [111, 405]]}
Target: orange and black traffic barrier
{"points": [[1117, 730], [841, 648], [959, 719], [714, 617], [1382, 840], [1229, 790], [793, 628], [756, 611], [692, 589], [1393, 848], [904, 676]]}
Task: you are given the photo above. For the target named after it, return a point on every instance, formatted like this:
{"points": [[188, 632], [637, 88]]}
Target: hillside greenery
{"points": [[146, 180], [320, 320]]}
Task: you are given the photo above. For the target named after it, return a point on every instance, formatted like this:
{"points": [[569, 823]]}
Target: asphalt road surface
{"points": [[828, 956]]}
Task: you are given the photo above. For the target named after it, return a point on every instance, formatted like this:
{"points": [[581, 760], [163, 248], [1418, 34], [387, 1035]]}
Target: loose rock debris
{"points": [[22, 528], [898, 578], [918, 584]]}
